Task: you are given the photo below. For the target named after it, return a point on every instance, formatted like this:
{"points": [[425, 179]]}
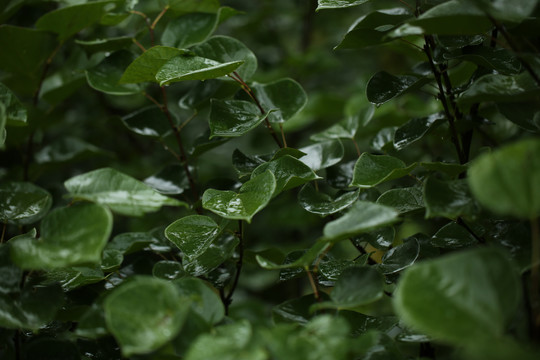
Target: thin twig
{"points": [[4, 227], [535, 278], [313, 284], [356, 147], [156, 20], [239, 263]]}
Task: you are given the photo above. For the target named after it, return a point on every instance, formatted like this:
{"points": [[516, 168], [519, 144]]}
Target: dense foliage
{"points": [[190, 179]]}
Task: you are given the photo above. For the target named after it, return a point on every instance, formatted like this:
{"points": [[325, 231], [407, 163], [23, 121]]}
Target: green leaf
{"points": [[36, 306], [149, 121], [216, 254], [171, 180], [145, 313], [105, 45], [383, 87], [122, 193], [245, 164], [362, 217], [318, 202], [225, 49], [448, 18], [189, 29], [500, 88], [346, 128], [204, 301], [70, 236], [381, 238], [451, 169], [92, 324], [302, 262], [372, 170], [449, 199], [323, 154], [15, 112], [515, 11], [331, 269], [296, 310], [415, 129], [10, 275], [404, 200], [501, 60], [285, 95], [473, 293], [23, 203], [506, 180], [111, 260], [400, 257], [524, 114], [337, 4], [190, 6], [252, 197], [168, 270], [383, 141], [371, 29], [145, 67], [234, 118], [453, 236], [193, 234], [67, 149], [69, 20], [356, 286], [106, 75], [74, 277], [189, 67], [127, 243], [288, 171]]}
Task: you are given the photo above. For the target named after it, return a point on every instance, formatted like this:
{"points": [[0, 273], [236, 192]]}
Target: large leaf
{"points": [[288, 171], [189, 67], [474, 294], [106, 75], [372, 170], [225, 49], [450, 199], [383, 86], [362, 217], [285, 95], [69, 20], [144, 314], [415, 129], [337, 4], [69, 236], [23, 203], [506, 180], [193, 234], [189, 29], [252, 197], [15, 112], [233, 118], [120, 192], [318, 202], [145, 67], [323, 154]]}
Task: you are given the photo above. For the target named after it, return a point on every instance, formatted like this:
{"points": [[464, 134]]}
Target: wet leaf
{"points": [[323, 154], [296, 310], [400, 257], [189, 29], [285, 95], [318, 202], [383, 87], [233, 118], [204, 301], [193, 234], [404, 200], [449, 199], [337, 4], [67, 149], [216, 254], [106, 75], [189, 67], [381, 238], [15, 113], [501, 60], [372, 170], [23, 202], [416, 129], [303, 261], [171, 180], [168, 270], [146, 66], [515, 11], [453, 236]]}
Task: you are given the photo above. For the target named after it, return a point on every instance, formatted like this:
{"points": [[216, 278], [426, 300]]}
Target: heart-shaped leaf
{"points": [[233, 118], [120, 192], [318, 202], [23, 203], [69, 236], [372, 170], [252, 197], [193, 234]]}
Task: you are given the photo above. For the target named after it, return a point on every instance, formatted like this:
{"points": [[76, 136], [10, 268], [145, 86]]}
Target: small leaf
{"points": [[168, 270], [400, 257], [145, 313], [120, 192], [67, 149], [506, 180], [318, 202], [191, 6], [23, 203], [288, 171], [127, 243], [149, 121], [233, 118], [383, 87], [381, 238], [453, 236], [372, 170], [323, 154], [106, 75], [245, 164], [145, 67], [226, 49], [105, 45], [15, 112], [449, 199], [189, 67], [455, 286], [404, 200], [216, 254], [252, 197], [338, 4], [346, 128], [416, 129], [331, 269], [193, 234], [69, 20], [171, 180], [69, 236], [362, 217], [501, 60], [302, 261], [285, 95], [296, 310]]}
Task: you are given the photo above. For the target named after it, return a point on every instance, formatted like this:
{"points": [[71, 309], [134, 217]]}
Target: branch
{"points": [[228, 299]]}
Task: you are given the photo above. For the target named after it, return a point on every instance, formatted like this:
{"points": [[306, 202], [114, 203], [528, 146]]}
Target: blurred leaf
{"points": [[15, 112], [189, 29], [252, 197], [524, 114], [404, 200], [10, 275], [23, 203], [111, 260], [193, 234], [501, 60], [234, 118], [455, 286], [148, 121], [122, 193], [296, 310], [75, 277], [105, 45], [285, 95], [416, 129], [190, 6], [318, 202], [516, 11], [106, 75], [453, 236], [331, 269], [451, 169], [449, 199], [362, 217], [245, 164], [383, 86], [322, 154], [400, 257], [127, 243], [189, 67], [506, 180], [146, 66], [372, 170], [67, 149], [69, 236], [168, 270], [204, 301], [336, 4], [145, 313], [303, 261], [346, 128], [381, 238], [171, 180]]}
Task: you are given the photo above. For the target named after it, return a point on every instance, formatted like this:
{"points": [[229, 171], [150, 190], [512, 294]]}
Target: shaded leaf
{"points": [[149, 121], [74, 277], [190, 6], [285, 95], [168, 270], [372, 170], [106, 75], [245, 164], [451, 169], [515, 11], [449, 199], [383, 86], [501, 60], [296, 310], [303, 261], [323, 154], [381, 238], [67, 149], [204, 301], [400, 257], [15, 113], [415, 129], [23, 203], [189, 29], [337, 4], [193, 234], [216, 254], [404, 200], [453, 236], [146, 66], [105, 45], [524, 114], [171, 180], [233, 118], [318, 202]]}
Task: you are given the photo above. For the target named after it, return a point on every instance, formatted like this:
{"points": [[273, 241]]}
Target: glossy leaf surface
{"points": [[372, 170], [337, 4], [204, 301], [149, 121], [323, 154], [404, 200], [189, 29], [449, 199], [400, 257], [14, 111], [188, 67], [318, 202], [285, 95], [362, 217], [23, 203], [453, 236], [69, 236], [120, 192], [106, 75], [145, 67], [144, 314], [68, 149], [383, 87], [252, 197], [233, 118], [169, 180], [193, 234], [303, 261], [415, 129], [216, 254]]}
